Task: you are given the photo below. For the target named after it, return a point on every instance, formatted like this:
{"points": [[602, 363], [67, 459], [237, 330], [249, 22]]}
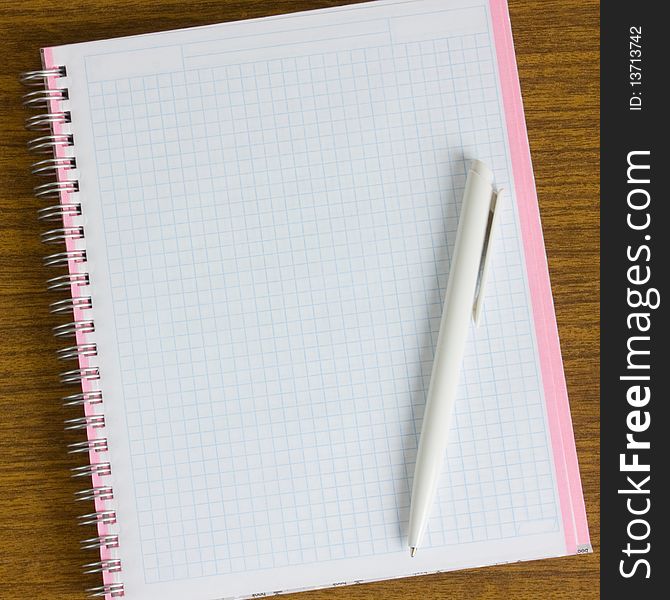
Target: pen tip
{"points": [[412, 551]]}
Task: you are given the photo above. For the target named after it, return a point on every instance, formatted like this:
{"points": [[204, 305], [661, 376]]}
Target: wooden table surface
{"points": [[557, 50]]}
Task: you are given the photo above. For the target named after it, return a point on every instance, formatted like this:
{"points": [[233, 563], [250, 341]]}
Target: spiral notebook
{"points": [[258, 218]]}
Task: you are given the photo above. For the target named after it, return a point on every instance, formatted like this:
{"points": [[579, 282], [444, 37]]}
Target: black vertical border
{"points": [[623, 131]]}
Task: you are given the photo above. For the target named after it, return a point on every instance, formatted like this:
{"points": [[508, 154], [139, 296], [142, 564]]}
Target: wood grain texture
{"points": [[557, 50]]}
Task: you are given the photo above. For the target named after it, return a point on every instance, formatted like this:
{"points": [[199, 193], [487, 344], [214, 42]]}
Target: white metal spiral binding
{"points": [[83, 399], [71, 329], [111, 565], [104, 493], [74, 352], [62, 259], [67, 281], [70, 304], [79, 375], [61, 234], [47, 144], [54, 189], [37, 78], [40, 98], [44, 121], [50, 166], [114, 590], [55, 140], [99, 445], [101, 541], [107, 517], [101, 469], [58, 211], [88, 422]]}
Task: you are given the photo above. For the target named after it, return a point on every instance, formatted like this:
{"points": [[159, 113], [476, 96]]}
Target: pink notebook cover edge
{"points": [[78, 314], [556, 397]]}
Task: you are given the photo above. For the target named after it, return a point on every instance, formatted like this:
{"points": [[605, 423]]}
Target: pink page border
{"points": [[81, 338], [556, 396]]}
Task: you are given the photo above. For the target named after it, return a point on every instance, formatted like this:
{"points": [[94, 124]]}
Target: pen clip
{"points": [[489, 242]]}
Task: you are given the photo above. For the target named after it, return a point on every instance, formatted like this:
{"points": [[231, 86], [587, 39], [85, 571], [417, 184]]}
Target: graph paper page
{"points": [[270, 207]]}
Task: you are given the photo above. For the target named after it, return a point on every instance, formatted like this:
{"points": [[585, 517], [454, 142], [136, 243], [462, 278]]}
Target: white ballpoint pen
{"points": [[463, 299]]}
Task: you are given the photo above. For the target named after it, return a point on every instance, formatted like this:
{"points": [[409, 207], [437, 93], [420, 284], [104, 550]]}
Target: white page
{"points": [[269, 209]]}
